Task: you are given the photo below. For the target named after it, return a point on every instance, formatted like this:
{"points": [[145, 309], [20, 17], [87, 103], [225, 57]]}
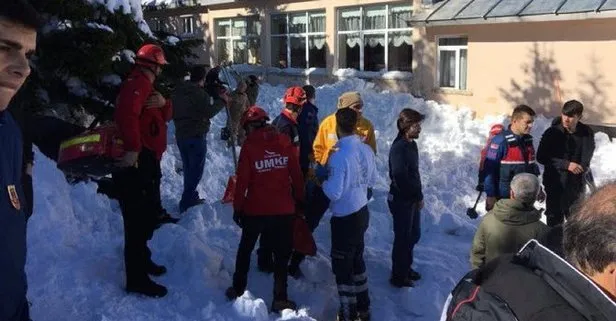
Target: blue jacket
{"points": [[12, 219], [308, 122], [508, 155], [404, 171]]}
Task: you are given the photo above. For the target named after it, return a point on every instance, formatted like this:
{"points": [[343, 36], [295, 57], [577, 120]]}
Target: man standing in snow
{"points": [[536, 284], [308, 126], [18, 24], [252, 90], [324, 142], [285, 123], [141, 115], [405, 197], [511, 223], [511, 152], [192, 110], [352, 170], [269, 185], [565, 150]]}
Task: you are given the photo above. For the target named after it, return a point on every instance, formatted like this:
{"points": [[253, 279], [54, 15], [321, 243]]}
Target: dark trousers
{"points": [[192, 151], [137, 196], [26, 182], [559, 200], [407, 231], [316, 208], [348, 264], [277, 232]]}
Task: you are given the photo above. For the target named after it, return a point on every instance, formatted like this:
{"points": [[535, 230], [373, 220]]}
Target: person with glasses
{"points": [[324, 143]]}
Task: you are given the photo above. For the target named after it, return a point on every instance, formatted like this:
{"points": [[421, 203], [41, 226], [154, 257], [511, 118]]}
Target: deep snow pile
{"points": [[75, 265]]}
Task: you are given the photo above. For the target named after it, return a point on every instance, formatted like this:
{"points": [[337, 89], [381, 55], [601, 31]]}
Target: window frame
{"points": [[363, 32], [451, 48], [233, 38], [191, 18], [306, 35]]}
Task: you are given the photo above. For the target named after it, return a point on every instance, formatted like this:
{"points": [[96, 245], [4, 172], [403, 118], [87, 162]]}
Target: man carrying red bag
{"points": [[141, 117], [268, 167]]}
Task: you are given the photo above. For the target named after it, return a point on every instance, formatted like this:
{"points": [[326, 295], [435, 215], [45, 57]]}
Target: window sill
{"points": [[452, 91], [390, 75]]}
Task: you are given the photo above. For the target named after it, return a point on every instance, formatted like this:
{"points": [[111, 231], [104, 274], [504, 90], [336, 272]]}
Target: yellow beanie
{"points": [[349, 99]]}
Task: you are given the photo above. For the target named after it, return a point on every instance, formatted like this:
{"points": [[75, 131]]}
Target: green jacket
{"points": [[192, 110], [505, 229]]}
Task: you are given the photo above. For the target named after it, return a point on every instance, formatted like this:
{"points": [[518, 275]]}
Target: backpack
{"points": [[469, 302], [494, 130]]}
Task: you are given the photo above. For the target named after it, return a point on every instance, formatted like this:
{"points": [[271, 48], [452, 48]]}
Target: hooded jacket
{"points": [[269, 180], [533, 285], [558, 148], [505, 229]]}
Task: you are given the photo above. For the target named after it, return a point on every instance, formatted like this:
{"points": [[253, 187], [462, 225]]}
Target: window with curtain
{"points": [[375, 38], [298, 40], [452, 62], [238, 40], [188, 25]]}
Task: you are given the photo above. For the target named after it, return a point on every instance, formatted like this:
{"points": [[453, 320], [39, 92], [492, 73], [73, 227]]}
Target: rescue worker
{"points": [[566, 150], [405, 198], [286, 123], [141, 115], [18, 27], [325, 140], [267, 167], [352, 170], [308, 125], [252, 91], [192, 110], [239, 105], [511, 152]]}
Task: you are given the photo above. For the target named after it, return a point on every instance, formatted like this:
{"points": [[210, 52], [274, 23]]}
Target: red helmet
{"points": [[295, 95], [151, 56], [254, 113]]}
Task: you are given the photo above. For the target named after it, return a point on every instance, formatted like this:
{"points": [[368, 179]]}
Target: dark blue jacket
{"points": [[308, 122], [508, 155], [404, 171], [287, 126], [12, 219]]}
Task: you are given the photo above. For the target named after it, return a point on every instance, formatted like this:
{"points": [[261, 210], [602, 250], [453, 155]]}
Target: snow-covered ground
{"points": [[75, 265]]}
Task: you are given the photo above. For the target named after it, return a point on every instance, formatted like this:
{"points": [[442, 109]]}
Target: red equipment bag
{"points": [[92, 153], [303, 242]]}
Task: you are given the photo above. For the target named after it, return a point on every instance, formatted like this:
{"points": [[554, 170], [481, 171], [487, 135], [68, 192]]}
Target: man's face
{"points": [[523, 124], [17, 43], [414, 130], [358, 108], [570, 122]]}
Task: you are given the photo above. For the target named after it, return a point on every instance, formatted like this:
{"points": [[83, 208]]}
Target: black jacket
{"points": [[533, 285], [558, 148], [404, 171]]}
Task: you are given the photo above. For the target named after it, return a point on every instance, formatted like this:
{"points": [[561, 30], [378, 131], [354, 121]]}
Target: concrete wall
{"points": [[542, 64]]}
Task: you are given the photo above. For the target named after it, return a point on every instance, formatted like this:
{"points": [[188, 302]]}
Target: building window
{"points": [[188, 25], [375, 38], [452, 62], [238, 40], [298, 40]]}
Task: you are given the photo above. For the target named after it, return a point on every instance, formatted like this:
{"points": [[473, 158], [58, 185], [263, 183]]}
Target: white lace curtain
{"points": [[316, 41]]}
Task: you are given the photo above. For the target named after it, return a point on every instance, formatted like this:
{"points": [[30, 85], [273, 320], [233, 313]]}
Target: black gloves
{"points": [[479, 187], [237, 218]]}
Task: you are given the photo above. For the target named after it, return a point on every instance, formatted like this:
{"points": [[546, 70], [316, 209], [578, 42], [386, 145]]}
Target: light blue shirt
{"points": [[352, 170]]}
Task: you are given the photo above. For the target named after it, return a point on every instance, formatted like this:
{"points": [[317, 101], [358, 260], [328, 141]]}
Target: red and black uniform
{"points": [[143, 130], [269, 183]]}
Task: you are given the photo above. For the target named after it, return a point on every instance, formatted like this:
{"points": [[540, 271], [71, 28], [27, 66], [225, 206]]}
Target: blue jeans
{"points": [[407, 231], [192, 151]]}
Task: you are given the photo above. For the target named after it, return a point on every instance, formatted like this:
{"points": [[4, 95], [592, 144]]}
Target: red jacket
{"points": [[269, 179], [139, 126]]}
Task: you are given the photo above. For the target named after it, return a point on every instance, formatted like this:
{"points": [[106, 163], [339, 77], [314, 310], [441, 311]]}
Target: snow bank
{"points": [[75, 265]]}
